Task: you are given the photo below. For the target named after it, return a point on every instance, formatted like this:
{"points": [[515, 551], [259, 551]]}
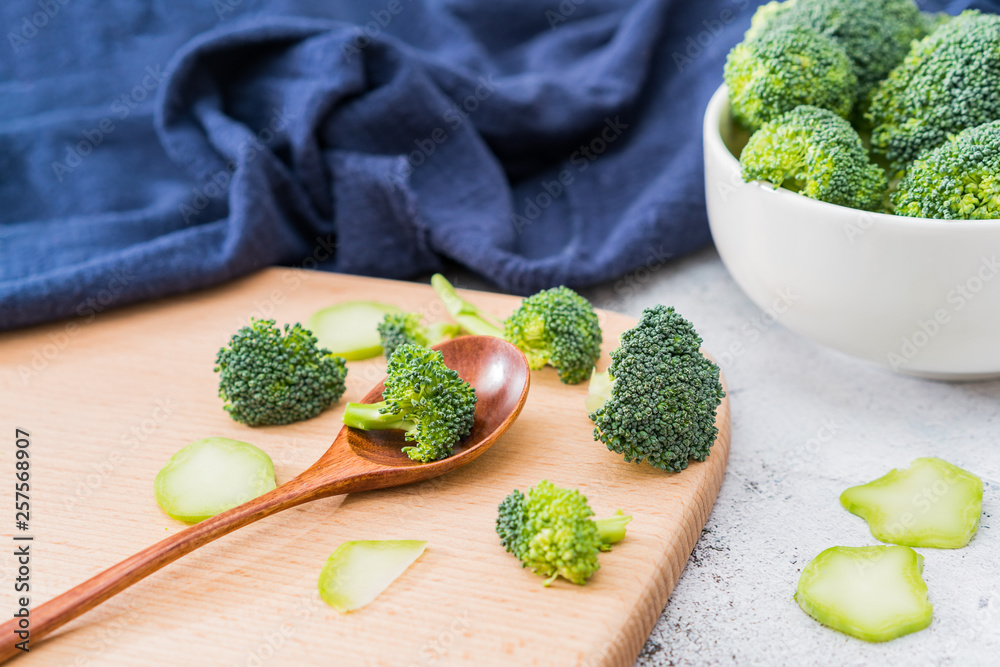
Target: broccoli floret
{"points": [[398, 328], [266, 378], [959, 180], [818, 154], [783, 68], [663, 394], [423, 397], [875, 35], [551, 531], [948, 82], [557, 327]]}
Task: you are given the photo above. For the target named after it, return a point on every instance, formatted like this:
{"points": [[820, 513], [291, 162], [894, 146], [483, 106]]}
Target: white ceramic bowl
{"points": [[918, 296]]}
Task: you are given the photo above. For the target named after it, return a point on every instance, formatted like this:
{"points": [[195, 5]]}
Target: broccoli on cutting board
{"points": [[555, 327], [270, 377], [550, 530], [658, 398]]}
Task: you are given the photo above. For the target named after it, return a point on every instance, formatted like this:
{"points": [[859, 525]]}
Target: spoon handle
{"points": [[92, 592]]}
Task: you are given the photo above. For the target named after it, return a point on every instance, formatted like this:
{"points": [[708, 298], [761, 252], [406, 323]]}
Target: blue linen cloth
{"points": [[151, 148]]}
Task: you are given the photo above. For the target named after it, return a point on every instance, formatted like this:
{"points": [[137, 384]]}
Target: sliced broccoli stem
{"points": [[359, 571], [599, 390], [438, 332], [368, 417], [872, 593], [612, 529], [472, 319]]}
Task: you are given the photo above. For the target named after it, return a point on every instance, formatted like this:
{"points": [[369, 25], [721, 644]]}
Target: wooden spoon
{"points": [[356, 461]]}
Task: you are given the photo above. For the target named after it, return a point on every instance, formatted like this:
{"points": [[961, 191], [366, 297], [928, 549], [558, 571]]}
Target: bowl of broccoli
{"points": [[852, 173]]}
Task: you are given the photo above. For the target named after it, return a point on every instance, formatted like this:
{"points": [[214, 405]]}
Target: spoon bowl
{"points": [[356, 461]]}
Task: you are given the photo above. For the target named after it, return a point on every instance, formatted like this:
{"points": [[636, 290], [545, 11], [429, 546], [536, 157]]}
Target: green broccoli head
{"points": [[551, 532], [784, 68], [663, 394], [949, 81], [398, 328], [423, 397], [874, 35], [556, 327], [818, 154], [266, 378], [560, 328], [959, 180]]}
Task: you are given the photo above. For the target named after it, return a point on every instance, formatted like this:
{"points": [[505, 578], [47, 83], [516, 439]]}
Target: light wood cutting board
{"points": [[109, 399]]}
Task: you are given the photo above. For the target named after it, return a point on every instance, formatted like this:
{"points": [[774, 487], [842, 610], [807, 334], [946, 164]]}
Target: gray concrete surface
{"points": [[808, 423]]}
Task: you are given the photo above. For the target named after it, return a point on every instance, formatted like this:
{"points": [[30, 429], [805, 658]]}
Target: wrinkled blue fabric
{"points": [[151, 148]]}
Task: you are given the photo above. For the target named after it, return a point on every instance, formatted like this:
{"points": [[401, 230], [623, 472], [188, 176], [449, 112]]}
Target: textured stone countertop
{"points": [[808, 423]]}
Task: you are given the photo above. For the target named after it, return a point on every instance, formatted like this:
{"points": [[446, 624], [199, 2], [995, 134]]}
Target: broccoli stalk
{"points": [[376, 417], [266, 378], [555, 327], [611, 529], [550, 530], [398, 328], [660, 394], [422, 397], [468, 316]]}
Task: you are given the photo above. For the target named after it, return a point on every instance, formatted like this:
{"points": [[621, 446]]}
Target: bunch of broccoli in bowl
{"points": [[872, 105]]}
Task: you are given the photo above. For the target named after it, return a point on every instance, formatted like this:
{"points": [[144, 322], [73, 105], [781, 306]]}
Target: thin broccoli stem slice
{"points": [[612, 529], [350, 329], [930, 504], [471, 318], [210, 476], [369, 417], [359, 571], [872, 593], [599, 390]]}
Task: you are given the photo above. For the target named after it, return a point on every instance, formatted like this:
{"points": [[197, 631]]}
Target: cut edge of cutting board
{"points": [[263, 294]]}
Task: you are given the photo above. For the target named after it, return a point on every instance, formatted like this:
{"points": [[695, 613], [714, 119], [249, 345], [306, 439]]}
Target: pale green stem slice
{"points": [[350, 329], [872, 593], [210, 476], [598, 391], [357, 572], [930, 504]]}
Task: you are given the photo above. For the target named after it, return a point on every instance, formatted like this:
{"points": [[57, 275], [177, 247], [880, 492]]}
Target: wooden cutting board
{"points": [[107, 400]]}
